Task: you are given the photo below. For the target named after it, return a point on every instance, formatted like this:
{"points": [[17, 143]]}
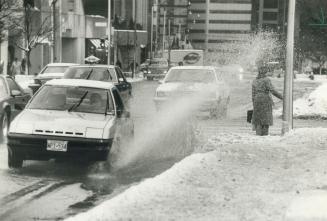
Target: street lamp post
{"points": [[109, 30], [288, 79]]}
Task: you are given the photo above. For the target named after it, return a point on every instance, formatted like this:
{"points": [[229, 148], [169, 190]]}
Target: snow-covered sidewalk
{"points": [[313, 105], [242, 177]]}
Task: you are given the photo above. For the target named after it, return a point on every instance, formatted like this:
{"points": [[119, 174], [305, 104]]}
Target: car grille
{"points": [[58, 133]]}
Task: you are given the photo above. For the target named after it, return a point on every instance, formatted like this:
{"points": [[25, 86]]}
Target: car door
{"points": [[19, 98], [124, 87], [125, 126], [4, 95]]}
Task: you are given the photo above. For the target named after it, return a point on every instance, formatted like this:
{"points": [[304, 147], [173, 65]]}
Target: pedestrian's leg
{"points": [[258, 129], [265, 130]]}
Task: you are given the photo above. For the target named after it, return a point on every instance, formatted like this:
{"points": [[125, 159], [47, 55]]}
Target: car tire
{"points": [[149, 78], [4, 123], [14, 159]]}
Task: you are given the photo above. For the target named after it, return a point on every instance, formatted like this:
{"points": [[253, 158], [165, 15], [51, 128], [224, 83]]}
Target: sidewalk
{"points": [[233, 177]]}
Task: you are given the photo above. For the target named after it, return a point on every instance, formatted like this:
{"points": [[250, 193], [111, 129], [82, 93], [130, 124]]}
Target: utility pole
{"points": [[135, 38], [169, 46], [164, 33], [288, 79], [151, 42], [53, 5], [109, 31]]}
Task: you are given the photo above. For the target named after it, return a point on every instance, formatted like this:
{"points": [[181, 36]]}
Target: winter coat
{"points": [[262, 89]]}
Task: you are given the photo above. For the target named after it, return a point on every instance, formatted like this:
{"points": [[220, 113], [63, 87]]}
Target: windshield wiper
{"points": [[79, 102], [89, 74]]}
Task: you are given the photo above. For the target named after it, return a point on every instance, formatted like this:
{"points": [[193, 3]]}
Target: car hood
{"points": [[179, 86], [60, 123], [50, 75]]}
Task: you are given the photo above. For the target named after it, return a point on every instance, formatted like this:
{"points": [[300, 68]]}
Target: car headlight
{"points": [[165, 72], [149, 72], [162, 94]]}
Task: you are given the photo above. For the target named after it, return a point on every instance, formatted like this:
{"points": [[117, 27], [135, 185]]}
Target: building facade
{"points": [[215, 22], [79, 28]]}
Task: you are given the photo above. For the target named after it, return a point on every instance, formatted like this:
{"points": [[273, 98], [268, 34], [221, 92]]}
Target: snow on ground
{"points": [[234, 177], [311, 105]]}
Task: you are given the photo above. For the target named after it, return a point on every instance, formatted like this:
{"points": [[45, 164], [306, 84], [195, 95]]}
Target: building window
{"points": [[71, 5], [270, 16], [270, 4]]}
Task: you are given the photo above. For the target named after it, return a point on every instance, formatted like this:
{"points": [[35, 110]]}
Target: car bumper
{"points": [[34, 147], [206, 105]]}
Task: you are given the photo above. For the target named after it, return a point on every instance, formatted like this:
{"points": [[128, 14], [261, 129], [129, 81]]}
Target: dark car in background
{"points": [[13, 99], [106, 73], [49, 72], [157, 68]]}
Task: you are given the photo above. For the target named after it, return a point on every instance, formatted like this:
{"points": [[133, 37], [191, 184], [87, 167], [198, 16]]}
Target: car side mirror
{"points": [[15, 93]]}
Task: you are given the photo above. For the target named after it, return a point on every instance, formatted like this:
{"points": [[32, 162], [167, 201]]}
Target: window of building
{"points": [[270, 16], [71, 5], [270, 4]]}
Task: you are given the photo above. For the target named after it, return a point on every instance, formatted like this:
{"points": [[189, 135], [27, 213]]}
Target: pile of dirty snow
{"points": [[311, 105], [242, 177]]}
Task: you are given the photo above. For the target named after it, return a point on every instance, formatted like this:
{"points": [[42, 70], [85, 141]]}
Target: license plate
{"points": [[57, 145]]}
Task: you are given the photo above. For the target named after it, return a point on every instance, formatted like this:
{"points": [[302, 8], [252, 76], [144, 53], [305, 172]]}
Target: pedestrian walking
{"points": [[262, 89], [15, 68]]}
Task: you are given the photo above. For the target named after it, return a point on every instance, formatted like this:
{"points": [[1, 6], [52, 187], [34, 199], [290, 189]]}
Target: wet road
{"points": [[54, 190]]}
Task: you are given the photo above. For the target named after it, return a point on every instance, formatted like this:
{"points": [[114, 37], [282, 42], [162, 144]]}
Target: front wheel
{"points": [[4, 127], [14, 159]]}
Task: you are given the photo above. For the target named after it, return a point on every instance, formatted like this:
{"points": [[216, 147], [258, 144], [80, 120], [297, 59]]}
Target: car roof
{"points": [[81, 83], [60, 64], [194, 67], [95, 66]]}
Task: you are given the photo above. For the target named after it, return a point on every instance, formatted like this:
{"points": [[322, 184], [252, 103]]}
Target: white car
{"points": [[197, 82], [69, 118], [49, 72]]}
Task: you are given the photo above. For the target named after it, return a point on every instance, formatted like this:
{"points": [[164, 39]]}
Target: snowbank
{"points": [[312, 105], [243, 177]]}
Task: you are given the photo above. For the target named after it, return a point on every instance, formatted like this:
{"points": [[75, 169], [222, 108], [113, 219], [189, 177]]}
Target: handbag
{"points": [[249, 116]]}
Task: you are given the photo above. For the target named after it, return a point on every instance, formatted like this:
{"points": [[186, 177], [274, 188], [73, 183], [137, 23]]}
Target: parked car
{"points": [[12, 100], [145, 65], [157, 69], [192, 81], [69, 119], [106, 73], [49, 72]]}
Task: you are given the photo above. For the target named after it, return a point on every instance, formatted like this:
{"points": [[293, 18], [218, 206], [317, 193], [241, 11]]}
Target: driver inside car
{"points": [[96, 100]]}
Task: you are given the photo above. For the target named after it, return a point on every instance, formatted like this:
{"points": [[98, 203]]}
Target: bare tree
{"points": [[33, 28]]}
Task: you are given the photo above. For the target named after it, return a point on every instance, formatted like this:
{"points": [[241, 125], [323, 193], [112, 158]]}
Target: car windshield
{"points": [[92, 73], [75, 99], [190, 75], [54, 69]]}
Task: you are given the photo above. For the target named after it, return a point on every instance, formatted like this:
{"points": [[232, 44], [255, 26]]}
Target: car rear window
{"points": [[191, 75], [54, 69], [91, 73]]}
